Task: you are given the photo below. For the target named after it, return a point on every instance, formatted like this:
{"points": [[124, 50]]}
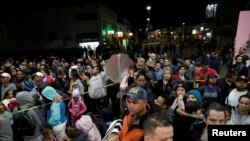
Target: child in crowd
{"points": [[9, 100], [55, 112], [48, 135], [74, 134], [76, 106]]}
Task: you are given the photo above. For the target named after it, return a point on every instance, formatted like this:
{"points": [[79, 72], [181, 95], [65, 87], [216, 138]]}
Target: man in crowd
{"points": [[136, 100], [214, 115], [157, 128]]}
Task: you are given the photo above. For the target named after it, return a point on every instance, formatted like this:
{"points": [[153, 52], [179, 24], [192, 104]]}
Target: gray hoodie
{"points": [[25, 100], [6, 133]]}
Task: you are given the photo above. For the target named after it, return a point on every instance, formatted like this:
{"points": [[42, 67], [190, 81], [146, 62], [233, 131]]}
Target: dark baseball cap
{"points": [[241, 77], [137, 93]]}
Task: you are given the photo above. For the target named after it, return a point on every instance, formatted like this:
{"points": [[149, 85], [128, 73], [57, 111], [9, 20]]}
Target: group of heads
{"points": [[181, 88]]}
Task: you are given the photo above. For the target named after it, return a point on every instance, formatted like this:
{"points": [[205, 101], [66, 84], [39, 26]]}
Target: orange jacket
{"points": [[135, 134]]}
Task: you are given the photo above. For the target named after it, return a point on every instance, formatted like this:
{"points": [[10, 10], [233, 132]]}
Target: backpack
{"points": [[23, 124]]}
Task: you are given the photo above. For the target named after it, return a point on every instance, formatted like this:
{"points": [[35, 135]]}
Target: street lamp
{"points": [[183, 31], [149, 16], [149, 26], [148, 7]]}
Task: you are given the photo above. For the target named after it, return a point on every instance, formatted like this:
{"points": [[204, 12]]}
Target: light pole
{"points": [[149, 26], [183, 32]]}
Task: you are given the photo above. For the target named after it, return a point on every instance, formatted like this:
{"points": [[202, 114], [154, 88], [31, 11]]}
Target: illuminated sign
{"points": [[211, 10], [111, 32], [119, 34]]}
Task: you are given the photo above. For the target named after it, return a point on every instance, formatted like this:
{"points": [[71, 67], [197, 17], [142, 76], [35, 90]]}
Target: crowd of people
{"points": [[161, 98]]}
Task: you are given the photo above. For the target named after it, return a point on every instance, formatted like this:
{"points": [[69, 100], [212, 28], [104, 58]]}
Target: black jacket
{"points": [[196, 130]]}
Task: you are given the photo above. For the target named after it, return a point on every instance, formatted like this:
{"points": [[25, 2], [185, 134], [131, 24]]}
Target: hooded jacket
{"points": [[56, 113], [25, 101], [86, 124], [131, 131], [6, 133], [5, 88]]}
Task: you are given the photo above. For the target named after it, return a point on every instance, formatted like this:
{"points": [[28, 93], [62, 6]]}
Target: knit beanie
{"points": [[76, 92], [196, 93], [28, 85]]}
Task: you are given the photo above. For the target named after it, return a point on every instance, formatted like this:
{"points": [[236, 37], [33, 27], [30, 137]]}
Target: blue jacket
{"points": [[56, 114]]}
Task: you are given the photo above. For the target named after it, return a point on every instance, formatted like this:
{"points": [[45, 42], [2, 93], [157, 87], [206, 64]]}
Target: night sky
{"points": [[164, 13]]}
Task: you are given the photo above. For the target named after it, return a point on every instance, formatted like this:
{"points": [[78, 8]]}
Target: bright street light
{"points": [[148, 7]]}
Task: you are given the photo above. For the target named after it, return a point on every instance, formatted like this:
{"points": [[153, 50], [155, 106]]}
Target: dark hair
{"points": [[46, 133], [99, 67], [74, 73], [228, 109], [7, 93], [244, 96], [215, 106], [46, 71], [192, 106], [167, 99], [142, 73], [230, 74], [187, 58], [153, 121], [73, 132], [157, 62]]}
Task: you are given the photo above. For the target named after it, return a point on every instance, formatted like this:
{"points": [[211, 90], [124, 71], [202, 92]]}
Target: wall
{"points": [[53, 28]]}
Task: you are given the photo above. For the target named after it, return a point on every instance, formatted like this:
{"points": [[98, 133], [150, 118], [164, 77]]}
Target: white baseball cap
{"points": [[39, 74], [5, 74]]}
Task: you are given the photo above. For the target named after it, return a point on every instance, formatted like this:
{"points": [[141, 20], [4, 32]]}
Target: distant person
{"points": [[242, 52], [203, 72], [6, 84], [241, 89], [76, 106]]}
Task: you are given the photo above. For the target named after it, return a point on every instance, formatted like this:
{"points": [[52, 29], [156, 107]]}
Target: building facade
{"points": [[58, 28]]}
